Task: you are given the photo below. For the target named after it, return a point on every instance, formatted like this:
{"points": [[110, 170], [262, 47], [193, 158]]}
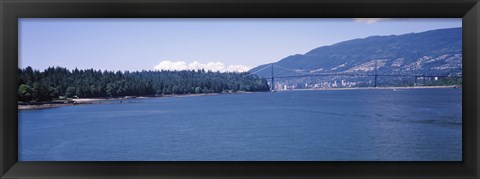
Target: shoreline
{"points": [[112, 100], [119, 100], [374, 88]]}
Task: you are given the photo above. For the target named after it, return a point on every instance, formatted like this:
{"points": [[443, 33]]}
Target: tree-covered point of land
{"points": [[34, 85]]}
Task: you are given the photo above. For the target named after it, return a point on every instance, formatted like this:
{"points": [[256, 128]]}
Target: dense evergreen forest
{"points": [[56, 82]]}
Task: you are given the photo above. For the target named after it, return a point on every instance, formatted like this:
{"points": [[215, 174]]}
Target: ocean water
{"points": [[334, 125]]}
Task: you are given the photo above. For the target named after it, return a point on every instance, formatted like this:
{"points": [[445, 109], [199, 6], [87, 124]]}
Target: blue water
{"points": [[337, 125]]}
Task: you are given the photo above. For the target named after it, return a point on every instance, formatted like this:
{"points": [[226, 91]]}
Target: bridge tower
{"points": [[273, 84], [415, 82]]}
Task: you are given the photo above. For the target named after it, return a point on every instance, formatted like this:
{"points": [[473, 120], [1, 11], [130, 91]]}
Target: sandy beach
{"points": [[83, 101], [56, 104]]}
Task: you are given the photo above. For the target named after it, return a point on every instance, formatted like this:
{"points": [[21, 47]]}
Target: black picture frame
{"points": [[11, 10]]}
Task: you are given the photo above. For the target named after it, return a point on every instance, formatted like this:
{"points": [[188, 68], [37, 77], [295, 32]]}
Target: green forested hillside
{"points": [[435, 52], [52, 83]]}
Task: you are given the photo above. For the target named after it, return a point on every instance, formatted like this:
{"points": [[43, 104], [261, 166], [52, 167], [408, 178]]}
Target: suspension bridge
{"points": [[375, 75]]}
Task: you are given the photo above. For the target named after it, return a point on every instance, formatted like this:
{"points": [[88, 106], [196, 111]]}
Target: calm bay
{"points": [[310, 125]]}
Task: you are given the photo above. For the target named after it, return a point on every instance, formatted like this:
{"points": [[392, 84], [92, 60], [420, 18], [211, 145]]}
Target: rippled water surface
{"points": [[336, 125]]}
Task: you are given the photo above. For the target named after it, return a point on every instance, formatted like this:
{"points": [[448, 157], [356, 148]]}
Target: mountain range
{"points": [[434, 52]]}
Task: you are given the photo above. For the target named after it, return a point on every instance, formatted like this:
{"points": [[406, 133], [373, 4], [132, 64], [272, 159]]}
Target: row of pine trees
{"points": [[56, 82]]}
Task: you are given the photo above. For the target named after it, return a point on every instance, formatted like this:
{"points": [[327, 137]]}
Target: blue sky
{"points": [[217, 44]]}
